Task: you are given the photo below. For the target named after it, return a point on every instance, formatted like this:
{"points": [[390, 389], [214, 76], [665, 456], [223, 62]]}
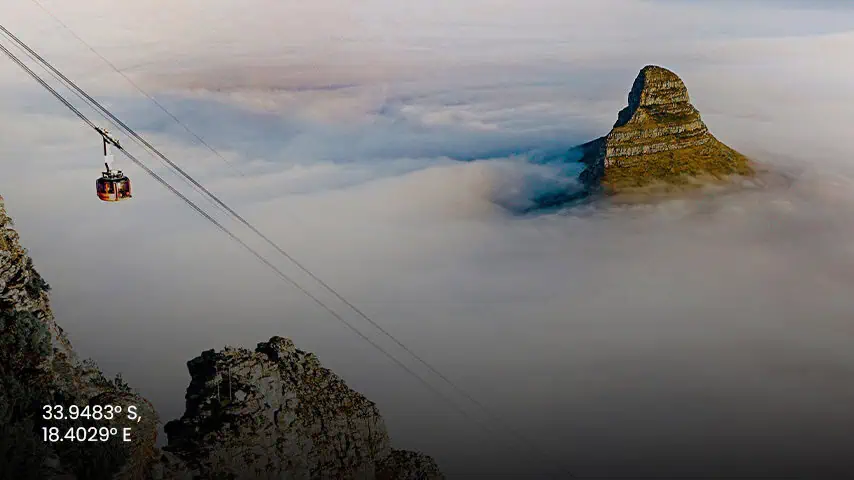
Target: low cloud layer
{"points": [[383, 146]]}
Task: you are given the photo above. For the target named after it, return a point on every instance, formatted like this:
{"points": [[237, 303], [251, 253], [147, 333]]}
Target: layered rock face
{"points": [[277, 413], [658, 138]]}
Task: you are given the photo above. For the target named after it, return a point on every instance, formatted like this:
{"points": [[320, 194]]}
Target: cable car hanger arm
{"points": [[108, 138]]}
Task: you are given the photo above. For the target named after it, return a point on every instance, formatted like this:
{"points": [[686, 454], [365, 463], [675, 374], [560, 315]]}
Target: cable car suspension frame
{"points": [[113, 186]]}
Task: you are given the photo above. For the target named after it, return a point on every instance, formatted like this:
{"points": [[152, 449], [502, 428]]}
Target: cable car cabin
{"points": [[113, 186]]}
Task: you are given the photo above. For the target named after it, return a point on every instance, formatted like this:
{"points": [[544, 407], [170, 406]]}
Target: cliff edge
{"points": [[658, 139], [38, 367]]}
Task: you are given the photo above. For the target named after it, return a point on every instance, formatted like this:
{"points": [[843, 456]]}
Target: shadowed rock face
{"points": [[278, 413], [38, 366], [658, 138]]}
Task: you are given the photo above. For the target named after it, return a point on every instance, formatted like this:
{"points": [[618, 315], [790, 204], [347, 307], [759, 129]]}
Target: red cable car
{"points": [[113, 186]]}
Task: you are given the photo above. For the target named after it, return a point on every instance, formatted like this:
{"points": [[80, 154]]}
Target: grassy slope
{"points": [[678, 167]]}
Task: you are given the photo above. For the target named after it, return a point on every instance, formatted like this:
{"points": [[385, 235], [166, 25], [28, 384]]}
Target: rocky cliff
{"points": [[659, 138], [39, 367], [270, 413], [276, 412]]}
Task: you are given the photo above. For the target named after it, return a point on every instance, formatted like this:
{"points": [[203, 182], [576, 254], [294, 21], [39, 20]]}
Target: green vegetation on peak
{"points": [[678, 167]]}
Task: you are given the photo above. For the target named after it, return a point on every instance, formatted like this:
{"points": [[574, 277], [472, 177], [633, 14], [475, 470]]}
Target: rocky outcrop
{"points": [[22, 289], [276, 412], [658, 138]]}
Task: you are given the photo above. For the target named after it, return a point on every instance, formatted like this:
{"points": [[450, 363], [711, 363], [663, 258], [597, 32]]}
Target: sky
{"points": [[389, 146]]}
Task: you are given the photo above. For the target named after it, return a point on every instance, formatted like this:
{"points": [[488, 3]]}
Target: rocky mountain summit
{"points": [[276, 412], [658, 140], [272, 413]]}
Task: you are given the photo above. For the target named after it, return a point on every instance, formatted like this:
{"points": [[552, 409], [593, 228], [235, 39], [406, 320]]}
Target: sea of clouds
{"points": [[389, 146]]}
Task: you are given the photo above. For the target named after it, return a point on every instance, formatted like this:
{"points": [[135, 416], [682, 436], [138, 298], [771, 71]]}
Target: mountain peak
{"points": [[656, 91], [659, 137]]}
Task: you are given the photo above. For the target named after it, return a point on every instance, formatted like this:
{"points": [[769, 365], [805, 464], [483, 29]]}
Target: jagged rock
{"points": [[22, 289], [658, 138], [31, 344], [278, 413]]}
